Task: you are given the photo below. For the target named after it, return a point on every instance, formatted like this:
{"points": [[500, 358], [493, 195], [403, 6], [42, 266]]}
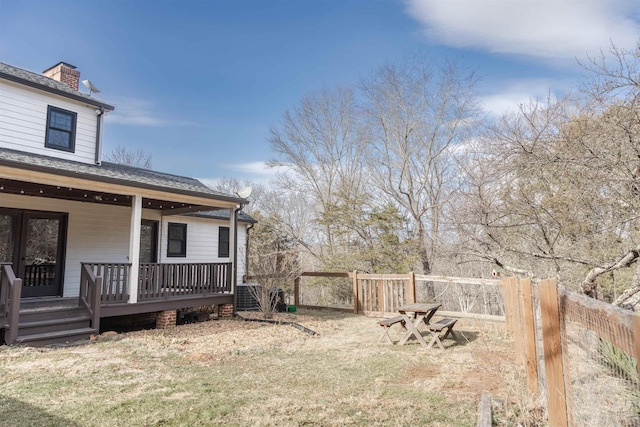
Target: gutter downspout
{"points": [[235, 257], [246, 255], [100, 115]]}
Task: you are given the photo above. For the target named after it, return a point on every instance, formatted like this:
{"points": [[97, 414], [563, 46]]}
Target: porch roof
{"points": [[115, 174], [39, 81], [224, 214]]}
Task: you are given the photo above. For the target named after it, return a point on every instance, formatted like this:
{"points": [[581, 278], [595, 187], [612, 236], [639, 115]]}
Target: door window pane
{"points": [[41, 251], [6, 238], [148, 241]]}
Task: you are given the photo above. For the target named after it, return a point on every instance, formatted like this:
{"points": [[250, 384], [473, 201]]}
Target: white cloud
{"points": [[138, 112], [514, 93], [256, 169], [553, 29], [257, 172]]}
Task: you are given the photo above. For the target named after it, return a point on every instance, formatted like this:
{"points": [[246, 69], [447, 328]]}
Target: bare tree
{"points": [[273, 262], [418, 112], [320, 143], [130, 157], [562, 193]]}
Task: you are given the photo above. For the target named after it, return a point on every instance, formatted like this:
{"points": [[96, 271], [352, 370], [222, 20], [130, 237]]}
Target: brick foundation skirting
{"points": [[166, 319], [225, 310]]}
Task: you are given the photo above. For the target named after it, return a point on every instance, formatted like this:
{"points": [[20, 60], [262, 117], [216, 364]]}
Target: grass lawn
{"points": [[235, 373]]}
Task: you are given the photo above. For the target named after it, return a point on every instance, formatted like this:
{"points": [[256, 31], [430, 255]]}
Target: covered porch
{"points": [[120, 240], [105, 292]]}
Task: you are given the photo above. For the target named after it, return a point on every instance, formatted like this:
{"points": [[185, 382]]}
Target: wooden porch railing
{"points": [[90, 294], [10, 290], [160, 281], [115, 281], [165, 281]]}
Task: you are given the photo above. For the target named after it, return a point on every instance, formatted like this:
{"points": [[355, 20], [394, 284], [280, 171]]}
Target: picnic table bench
{"points": [[436, 328], [411, 317], [387, 324]]}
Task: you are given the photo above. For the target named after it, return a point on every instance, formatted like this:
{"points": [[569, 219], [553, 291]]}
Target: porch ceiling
{"points": [[167, 206]]}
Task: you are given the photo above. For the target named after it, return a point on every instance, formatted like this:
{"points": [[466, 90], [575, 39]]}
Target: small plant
{"points": [[618, 361], [266, 297]]}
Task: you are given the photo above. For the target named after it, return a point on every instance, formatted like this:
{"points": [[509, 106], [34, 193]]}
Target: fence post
{"points": [[411, 292], [296, 291], [529, 329], [556, 392], [636, 340], [356, 296]]}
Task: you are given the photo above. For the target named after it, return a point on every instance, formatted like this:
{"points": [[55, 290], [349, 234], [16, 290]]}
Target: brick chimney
{"points": [[65, 73]]}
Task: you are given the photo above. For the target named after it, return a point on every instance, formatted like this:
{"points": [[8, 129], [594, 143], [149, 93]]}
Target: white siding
{"points": [[23, 122], [202, 241], [95, 233], [100, 233]]}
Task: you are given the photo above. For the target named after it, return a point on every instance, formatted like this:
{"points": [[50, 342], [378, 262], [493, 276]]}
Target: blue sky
{"points": [[198, 84]]}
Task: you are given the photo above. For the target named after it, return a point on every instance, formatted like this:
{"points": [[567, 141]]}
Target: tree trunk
{"points": [[630, 298]]}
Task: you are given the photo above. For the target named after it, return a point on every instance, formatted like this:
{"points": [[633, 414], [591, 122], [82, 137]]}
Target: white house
{"points": [[112, 239]]}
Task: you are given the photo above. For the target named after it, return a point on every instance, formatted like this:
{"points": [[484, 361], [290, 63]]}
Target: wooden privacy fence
{"points": [[579, 353]]}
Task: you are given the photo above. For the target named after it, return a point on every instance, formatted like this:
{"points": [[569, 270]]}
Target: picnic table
{"points": [[415, 315]]}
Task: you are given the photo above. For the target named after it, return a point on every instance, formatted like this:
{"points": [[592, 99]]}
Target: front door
{"points": [[33, 242]]}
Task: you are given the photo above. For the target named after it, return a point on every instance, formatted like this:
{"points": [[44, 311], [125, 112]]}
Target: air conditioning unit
{"points": [[246, 301]]}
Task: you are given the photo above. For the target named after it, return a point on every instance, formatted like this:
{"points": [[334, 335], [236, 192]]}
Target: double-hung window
{"points": [[177, 241], [223, 242], [61, 129]]}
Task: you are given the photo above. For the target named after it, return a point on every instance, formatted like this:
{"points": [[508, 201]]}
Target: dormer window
{"points": [[61, 129]]}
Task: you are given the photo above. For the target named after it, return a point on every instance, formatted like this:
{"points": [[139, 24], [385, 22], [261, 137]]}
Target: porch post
{"points": [[134, 247], [233, 244]]}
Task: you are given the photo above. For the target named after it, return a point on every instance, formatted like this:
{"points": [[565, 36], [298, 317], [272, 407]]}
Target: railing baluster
{"points": [[160, 280]]}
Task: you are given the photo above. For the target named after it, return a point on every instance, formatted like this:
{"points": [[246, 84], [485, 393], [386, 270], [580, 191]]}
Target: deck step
{"points": [[58, 313], [54, 324], [56, 337]]}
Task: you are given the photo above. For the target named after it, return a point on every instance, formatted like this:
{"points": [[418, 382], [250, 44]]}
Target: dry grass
{"points": [[231, 372]]}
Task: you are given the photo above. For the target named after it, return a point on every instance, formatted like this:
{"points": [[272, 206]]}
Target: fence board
{"points": [[589, 313], [556, 391], [528, 319], [458, 280]]}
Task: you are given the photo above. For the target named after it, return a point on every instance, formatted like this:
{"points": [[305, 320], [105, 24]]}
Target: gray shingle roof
{"points": [[224, 214], [47, 84], [113, 173]]}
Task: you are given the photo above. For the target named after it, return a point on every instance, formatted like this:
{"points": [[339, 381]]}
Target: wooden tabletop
{"points": [[418, 308]]}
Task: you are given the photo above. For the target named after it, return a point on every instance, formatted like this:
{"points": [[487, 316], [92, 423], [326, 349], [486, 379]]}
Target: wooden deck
{"points": [[104, 292]]}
